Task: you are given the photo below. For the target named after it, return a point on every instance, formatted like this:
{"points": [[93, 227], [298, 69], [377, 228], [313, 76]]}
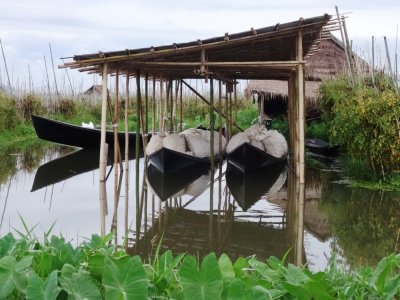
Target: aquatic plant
{"points": [[54, 269]]}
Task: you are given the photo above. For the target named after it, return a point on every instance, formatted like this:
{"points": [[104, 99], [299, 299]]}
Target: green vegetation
{"points": [[364, 121], [54, 269]]}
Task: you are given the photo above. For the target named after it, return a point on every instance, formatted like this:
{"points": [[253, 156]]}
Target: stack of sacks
{"points": [[270, 141], [192, 141]]}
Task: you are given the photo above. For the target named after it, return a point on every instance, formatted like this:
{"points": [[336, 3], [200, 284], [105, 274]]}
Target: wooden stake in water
{"points": [[212, 158], [103, 151], [116, 154], [5, 66], [48, 81], [137, 148], [126, 156], [54, 71]]}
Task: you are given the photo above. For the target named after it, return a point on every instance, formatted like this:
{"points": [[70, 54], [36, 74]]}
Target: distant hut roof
{"points": [[96, 89]]}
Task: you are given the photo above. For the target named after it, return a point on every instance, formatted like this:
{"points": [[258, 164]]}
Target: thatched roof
{"points": [[264, 53]]}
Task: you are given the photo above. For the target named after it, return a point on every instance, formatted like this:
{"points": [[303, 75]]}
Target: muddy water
{"points": [[264, 214]]}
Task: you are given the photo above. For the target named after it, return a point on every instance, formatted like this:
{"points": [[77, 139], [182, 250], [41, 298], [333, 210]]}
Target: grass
{"points": [[20, 138], [54, 269]]}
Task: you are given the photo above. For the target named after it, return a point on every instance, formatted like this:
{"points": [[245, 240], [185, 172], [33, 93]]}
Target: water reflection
{"points": [[262, 214]]}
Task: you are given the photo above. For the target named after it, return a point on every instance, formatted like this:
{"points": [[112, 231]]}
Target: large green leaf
{"points": [[264, 270], [383, 268], [6, 244], [239, 291], [226, 267], [13, 274], [125, 278], [78, 284], [204, 283], [40, 290], [392, 286]]}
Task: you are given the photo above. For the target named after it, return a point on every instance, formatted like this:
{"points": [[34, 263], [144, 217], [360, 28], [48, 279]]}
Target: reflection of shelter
{"points": [[186, 231], [315, 220]]}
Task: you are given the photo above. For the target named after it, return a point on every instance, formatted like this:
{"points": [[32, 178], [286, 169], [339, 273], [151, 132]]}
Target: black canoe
{"points": [[77, 136], [248, 188], [166, 185], [248, 158], [320, 147], [170, 161]]}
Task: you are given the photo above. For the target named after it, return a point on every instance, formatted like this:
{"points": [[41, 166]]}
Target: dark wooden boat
{"points": [[248, 188], [77, 136], [248, 158], [320, 147], [165, 185], [170, 161]]}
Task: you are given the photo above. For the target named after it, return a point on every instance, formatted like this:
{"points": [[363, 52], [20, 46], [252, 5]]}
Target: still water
{"points": [[263, 213]]}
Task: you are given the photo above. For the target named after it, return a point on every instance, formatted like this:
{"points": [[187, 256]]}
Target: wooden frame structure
{"points": [[275, 52]]}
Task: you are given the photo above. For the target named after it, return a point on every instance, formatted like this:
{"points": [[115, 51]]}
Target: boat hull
{"points": [[77, 136], [248, 158], [170, 161]]}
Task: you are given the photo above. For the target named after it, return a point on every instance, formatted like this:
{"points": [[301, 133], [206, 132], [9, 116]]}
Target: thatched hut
{"points": [[327, 62]]}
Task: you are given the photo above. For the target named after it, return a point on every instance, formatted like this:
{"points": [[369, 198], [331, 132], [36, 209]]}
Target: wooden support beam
{"points": [[126, 157], [301, 118], [208, 103]]}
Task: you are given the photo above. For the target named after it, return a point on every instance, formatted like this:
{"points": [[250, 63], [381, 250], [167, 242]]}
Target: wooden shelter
{"points": [[275, 52]]}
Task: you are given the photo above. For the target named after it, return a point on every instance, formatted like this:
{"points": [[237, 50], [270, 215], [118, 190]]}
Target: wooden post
{"points": [[146, 99], [227, 120], [212, 158], [137, 148], [160, 110], [116, 150], [349, 51], [126, 156], [373, 61], [180, 106], [103, 152], [301, 121], [153, 110]]}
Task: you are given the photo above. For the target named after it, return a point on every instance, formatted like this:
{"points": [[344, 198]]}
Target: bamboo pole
{"points": [[116, 152], [146, 99], [48, 80], [349, 51], [227, 120], [103, 152], [5, 66], [160, 110], [344, 43], [54, 71], [180, 106], [373, 61], [137, 148], [226, 116], [153, 109], [212, 158], [126, 156], [236, 100], [301, 122], [391, 74], [69, 81]]}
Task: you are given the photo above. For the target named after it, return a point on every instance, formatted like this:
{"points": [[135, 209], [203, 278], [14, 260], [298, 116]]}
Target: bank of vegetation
{"points": [[364, 120], [55, 269]]}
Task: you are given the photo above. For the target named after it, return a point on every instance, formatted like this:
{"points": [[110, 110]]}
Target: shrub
{"points": [[9, 117], [29, 105]]}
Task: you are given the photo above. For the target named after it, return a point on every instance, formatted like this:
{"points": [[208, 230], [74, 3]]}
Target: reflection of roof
{"points": [[188, 231], [249, 50]]}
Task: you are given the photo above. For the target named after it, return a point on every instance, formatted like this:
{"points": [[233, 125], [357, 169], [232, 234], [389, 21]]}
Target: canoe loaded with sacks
{"points": [[170, 153], [256, 148]]}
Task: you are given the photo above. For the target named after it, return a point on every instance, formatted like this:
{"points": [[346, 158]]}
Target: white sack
{"points": [[237, 140], [275, 144], [256, 143], [198, 142], [155, 144], [176, 142]]}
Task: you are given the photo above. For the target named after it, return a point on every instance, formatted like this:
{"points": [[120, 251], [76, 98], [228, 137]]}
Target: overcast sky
{"points": [[77, 27]]}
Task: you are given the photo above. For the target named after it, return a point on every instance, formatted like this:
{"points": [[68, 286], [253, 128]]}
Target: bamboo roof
{"points": [[264, 53]]}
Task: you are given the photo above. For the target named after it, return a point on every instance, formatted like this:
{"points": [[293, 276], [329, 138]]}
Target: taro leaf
{"points": [[96, 264], [239, 265], [295, 275], [13, 274], [383, 268], [392, 286], [43, 263], [7, 265], [166, 265], [40, 290], [6, 244], [205, 283], [78, 284], [226, 267], [239, 291], [264, 270], [125, 278]]}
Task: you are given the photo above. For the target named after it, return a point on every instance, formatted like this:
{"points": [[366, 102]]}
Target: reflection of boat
{"points": [[170, 161], [248, 158], [248, 188], [167, 185], [74, 135], [65, 167], [320, 147]]}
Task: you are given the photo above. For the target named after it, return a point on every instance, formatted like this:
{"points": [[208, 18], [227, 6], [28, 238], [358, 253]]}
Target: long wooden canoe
{"points": [[77, 136]]}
